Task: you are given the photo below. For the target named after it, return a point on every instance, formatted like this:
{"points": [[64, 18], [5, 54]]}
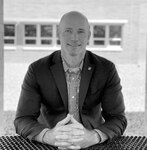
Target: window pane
{"points": [[99, 31], [115, 31], [30, 30], [9, 41], [115, 43], [9, 30], [30, 41], [46, 42], [97, 42], [58, 42], [46, 30]]}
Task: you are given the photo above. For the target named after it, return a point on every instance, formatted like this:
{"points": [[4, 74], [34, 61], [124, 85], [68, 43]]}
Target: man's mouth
{"points": [[74, 45]]}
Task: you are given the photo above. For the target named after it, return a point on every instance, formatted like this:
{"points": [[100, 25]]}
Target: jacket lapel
{"points": [[59, 76], [85, 80]]}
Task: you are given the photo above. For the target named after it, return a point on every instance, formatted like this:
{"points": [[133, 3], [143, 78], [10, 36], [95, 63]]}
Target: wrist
{"points": [[48, 137], [102, 136], [39, 136], [44, 137], [97, 137]]}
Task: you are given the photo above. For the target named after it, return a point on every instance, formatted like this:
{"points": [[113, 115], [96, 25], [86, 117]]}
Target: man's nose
{"points": [[74, 36]]}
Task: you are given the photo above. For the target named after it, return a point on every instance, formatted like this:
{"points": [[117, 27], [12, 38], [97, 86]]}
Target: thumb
{"points": [[64, 121], [73, 120]]}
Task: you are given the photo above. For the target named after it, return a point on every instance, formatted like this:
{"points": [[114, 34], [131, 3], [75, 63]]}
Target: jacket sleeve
{"points": [[113, 109], [28, 109]]}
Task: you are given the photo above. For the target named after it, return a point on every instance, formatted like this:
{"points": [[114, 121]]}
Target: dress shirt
{"points": [[73, 78]]}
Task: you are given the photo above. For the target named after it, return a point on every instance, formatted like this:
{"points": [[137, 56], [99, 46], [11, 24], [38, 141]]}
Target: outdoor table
{"points": [[119, 143]]}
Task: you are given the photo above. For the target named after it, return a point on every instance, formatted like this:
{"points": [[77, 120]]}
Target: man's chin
{"points": [[73, 54]]}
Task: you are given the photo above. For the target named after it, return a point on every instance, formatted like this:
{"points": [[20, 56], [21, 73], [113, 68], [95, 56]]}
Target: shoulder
{"points": [[45, 62], [99, 60]]}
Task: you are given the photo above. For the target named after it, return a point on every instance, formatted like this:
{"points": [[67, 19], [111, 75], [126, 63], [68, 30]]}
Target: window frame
{"points": [[107, 46], [38, 35], [29, 38], [54, 38], [45, 38], [9, 37]]}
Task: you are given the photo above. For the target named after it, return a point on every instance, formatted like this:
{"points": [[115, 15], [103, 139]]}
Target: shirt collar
{"points": [[66, 67]]}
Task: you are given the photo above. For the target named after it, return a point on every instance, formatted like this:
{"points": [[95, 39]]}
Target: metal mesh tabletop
{"points": [[119, 143]]}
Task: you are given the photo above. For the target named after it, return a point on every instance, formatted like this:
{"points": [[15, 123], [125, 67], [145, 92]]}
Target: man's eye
{"points": [[80, 31], [68, 31]]}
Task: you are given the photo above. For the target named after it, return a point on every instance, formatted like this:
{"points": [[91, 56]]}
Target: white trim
{"points": [[106, 49], [10, 47], [109, 48], [103, 21], [109, 21], [36, 48]]}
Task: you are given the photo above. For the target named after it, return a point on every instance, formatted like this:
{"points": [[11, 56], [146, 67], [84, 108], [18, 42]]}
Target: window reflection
{"points": [[115, 31], [115, 43], [46, 42], [30, 41], [99, 31], [46, 31], [99, 42], [9, 30], [30, 30]]}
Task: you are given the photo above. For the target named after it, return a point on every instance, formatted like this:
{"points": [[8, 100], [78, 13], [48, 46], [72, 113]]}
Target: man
{"points": [[72, 98]]}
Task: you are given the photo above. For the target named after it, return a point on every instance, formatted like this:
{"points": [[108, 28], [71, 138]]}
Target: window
{"points": [[106, 35], [9, 34], [46, 33], [115, 35], [30, 34], [99, 34], [38, 34]]}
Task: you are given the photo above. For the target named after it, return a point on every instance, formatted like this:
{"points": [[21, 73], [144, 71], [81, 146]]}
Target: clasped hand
{"points": [[70, 134]]}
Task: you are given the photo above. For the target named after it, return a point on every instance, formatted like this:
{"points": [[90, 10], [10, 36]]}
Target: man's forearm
{"points": [[41, 135], [102, 136], [115, 126]]}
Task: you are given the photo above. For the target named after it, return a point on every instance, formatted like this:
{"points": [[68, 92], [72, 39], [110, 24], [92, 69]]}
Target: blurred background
{"points": [[118, 33]]}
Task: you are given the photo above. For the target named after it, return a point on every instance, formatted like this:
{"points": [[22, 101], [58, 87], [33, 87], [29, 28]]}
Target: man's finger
{"points": [[75, 140], [62, 137], [74, 147], [64, 128], [76, 126], [77, 133], [62, 144], [61, 148], [73, 120], [64, 121]]}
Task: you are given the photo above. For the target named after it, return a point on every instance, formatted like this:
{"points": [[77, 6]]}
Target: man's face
{"points": [[74, 35]]}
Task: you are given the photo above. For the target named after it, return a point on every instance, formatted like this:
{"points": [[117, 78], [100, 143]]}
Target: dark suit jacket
{"points": [[44, 98]]}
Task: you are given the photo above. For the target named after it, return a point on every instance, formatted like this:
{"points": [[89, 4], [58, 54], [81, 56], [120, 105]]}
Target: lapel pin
{"points": [[89, 68]]}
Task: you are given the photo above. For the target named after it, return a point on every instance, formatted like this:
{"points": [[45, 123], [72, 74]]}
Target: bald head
{"points": [[74, 16]]}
